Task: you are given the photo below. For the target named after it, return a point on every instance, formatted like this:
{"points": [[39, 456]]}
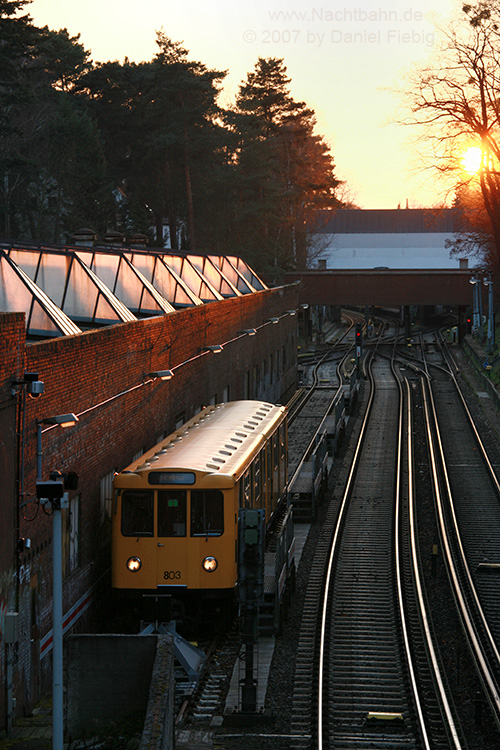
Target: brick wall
{"points": [[100, 376], [12, 365], [12, 359]]}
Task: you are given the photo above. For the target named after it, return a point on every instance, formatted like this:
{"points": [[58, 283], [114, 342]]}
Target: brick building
{"points": [[103, 376]]}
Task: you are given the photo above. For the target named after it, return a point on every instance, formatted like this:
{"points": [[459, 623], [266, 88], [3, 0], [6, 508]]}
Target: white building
{"points": [[385, 238]]}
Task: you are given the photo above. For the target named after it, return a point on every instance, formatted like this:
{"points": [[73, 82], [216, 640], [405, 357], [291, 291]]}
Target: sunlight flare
{"points": [[472, 159]]}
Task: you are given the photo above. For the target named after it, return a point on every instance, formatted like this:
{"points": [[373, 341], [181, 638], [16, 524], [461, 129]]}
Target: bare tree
{"points": [[458, 100]]}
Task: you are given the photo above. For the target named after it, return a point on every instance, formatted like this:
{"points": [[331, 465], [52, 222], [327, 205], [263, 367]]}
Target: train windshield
{"points": [[171, 513], [137, 513], [207, 513]]}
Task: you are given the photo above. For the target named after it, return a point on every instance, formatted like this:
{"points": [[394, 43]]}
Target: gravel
{"points": [[276, 732]]}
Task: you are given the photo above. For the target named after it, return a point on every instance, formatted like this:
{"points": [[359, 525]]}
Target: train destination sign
{"points": [[171, 477]]}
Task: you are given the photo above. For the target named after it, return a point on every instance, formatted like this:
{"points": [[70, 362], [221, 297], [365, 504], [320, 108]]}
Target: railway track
{"points": [[377, 670], [374, 692], [307, 411], [467, 496]]}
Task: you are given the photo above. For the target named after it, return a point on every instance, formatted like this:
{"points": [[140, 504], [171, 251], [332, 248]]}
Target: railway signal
{"points": [[359, 340], [252, 532]]}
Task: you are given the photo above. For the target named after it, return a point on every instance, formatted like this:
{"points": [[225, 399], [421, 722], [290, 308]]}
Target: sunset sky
{"points": [[344, 61]]}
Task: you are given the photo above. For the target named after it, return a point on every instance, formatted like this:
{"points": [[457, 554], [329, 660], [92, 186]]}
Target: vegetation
{"points": [[456, 98], [146, 147]]}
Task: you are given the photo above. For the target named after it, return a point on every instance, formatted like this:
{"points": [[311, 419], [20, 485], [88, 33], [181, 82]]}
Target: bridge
{"points": [[384, 287]]}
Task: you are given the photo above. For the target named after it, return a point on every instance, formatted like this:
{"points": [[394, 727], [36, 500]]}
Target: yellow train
{"points": [[176, 509]]}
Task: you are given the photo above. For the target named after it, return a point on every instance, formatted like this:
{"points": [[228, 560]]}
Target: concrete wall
{"points": [[107, 680], [159, 726]]}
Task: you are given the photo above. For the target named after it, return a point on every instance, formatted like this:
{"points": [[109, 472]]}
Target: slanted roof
{"points": [[386, 221], [206, 266], [71, 285], [193, 277], [386, 238], [238, 273], [18, 293], [126, 282], [170, 285], [63, 290]]}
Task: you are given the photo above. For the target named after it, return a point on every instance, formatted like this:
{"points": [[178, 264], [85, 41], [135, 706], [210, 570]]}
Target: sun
{"points": [[472, 159]]}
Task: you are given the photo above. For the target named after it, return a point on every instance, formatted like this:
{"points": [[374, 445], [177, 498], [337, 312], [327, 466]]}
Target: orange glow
{"points": [[472, 159]]}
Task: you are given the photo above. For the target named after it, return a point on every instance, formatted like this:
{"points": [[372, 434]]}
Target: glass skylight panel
{"points": [[171, 286], [192, 277], [120, 309], [105, 314], [248, 274], [52, 274], [40, 324], [229, 270], [26, 259], [214, 275], [151, 299], [28, 297], [105, 265], [80, 298], [14, 295]]}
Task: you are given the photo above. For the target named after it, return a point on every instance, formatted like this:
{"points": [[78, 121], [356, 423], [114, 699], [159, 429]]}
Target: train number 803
{"points": [[170, 575]]}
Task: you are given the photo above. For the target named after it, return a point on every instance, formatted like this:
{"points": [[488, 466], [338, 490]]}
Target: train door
{"points": [[212, 529], [172, 550], [134, 548]]}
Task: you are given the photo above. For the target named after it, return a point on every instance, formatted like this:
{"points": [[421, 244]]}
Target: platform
{"points": [[264, 649]]}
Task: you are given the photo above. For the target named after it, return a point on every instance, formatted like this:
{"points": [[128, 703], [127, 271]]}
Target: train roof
{"points": [[219, 440]]}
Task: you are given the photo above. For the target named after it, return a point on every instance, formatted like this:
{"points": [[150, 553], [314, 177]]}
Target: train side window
{"points": [[282, 455], [275, 469], [137, 513], [207, 513], [246, 483], [171, 513], [257, 482]]}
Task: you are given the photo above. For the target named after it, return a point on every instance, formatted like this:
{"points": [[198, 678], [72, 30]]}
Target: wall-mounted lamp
{"points": [[63, 420], [162, 374], [214, 348], [248, 332], [304, 306], [291, 312], [273, 320]]}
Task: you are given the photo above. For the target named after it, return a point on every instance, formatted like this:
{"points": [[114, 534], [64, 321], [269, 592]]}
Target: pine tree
{"points": [[285, 171]]}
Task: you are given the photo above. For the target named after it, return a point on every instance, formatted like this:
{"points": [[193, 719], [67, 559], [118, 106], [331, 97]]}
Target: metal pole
{"points": [[57, 629], [8, 675], [476, 292], [38, 450], [480, 305], [491, 329]]}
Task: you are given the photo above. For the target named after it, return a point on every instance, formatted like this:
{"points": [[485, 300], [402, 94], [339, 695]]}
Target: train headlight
{"points": [[210, 564], [134, 564]]}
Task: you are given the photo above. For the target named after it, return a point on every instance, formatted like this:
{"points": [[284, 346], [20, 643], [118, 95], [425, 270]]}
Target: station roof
{"points": [[387, 221], [65, 290]]}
